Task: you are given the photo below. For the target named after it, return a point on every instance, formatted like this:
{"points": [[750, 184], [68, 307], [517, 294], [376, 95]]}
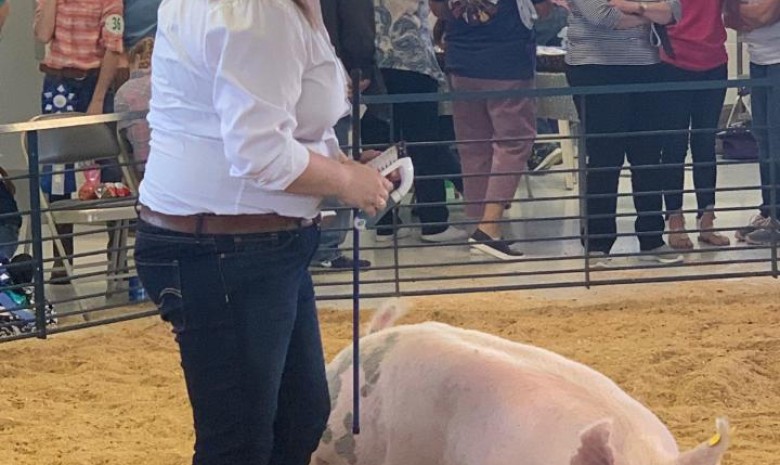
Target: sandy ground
{"points": [[691, 352]]}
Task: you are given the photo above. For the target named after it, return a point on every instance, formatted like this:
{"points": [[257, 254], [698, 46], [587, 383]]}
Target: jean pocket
{"points": [[162, 282], [263, 245]]}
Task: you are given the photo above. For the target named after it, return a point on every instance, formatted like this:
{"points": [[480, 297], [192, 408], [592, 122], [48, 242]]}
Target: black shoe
{"points": [[59, 278], [342, 263], [545, 156], [498, 248]]}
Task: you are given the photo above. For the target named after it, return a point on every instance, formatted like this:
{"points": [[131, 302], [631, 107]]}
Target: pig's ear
{"points": [[596, 446], [711, 451]]}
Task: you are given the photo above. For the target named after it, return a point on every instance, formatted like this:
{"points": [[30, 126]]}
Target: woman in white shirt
{"points": [[245, 94]]}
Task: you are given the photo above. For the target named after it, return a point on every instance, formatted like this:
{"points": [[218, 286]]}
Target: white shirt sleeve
{"points": [[257, 51]]}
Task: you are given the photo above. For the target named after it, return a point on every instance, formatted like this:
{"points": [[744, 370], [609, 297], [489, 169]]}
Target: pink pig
{"points": [[433, 394]]}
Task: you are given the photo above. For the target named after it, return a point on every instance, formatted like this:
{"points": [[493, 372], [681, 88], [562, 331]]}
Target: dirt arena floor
{"points": [[691, 352]]}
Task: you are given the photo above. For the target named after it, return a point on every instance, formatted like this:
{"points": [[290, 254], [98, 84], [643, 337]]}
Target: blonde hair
{"points": [[141, 54]]}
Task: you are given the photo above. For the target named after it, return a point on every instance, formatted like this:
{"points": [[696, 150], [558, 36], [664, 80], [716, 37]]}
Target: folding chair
{"points": [[84, 144]]}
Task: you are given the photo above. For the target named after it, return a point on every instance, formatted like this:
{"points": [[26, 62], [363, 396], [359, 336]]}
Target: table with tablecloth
{"points": [[560, 108]]}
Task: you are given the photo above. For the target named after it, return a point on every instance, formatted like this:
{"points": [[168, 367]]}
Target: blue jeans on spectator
{"points": [[766, 123], [9, 240], [335, 233], [243, 311]]}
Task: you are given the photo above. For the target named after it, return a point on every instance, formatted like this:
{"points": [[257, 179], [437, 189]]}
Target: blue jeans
{"points": [[766, 124], [242, 309]]}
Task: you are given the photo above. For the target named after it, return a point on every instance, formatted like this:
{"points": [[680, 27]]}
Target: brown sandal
{"points": [[678, 238], [707, 235]]}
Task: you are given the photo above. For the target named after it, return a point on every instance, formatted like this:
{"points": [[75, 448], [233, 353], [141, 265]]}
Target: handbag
{"points": [[737, 140]]}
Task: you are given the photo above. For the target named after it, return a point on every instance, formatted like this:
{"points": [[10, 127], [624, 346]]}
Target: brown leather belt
{"points": [[68, 73], [223, 224]]}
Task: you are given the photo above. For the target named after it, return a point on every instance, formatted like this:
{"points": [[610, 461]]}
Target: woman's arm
{"points": [[755, 14], [43, 24], [665, 12], [5, 10], [601, 14], [255, 99], [441, 9]]}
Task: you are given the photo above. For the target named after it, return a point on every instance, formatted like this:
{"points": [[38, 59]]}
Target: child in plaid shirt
{"points": [[84, 39]]}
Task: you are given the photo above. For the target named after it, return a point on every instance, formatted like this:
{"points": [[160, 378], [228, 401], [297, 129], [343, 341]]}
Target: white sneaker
{"points": [[600, 261], [400, 233], [757, 222], [451, 234], [663, 255]]}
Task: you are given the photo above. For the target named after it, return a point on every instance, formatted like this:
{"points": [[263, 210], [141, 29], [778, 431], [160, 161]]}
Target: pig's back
{"points": [[445, 384]]}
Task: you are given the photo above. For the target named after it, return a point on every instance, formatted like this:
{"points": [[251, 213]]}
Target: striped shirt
{"points": [[594, 40], [83, 31]]}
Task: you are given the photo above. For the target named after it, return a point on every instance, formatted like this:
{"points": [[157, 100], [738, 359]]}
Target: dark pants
{"points": [[697, 110], [620, 113], [65, 95], [766, 121], [418, 122], [243, 311]]}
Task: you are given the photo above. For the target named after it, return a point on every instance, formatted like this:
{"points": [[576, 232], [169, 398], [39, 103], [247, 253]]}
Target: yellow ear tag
{"points": [[714, 440]]}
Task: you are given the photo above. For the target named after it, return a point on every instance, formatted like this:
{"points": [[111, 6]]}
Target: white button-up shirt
{"points": [[241, 91]]}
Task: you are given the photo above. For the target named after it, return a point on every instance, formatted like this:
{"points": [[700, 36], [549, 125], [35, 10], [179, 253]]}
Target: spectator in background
{"points": [[134, 95], [350, 25], [609, 44], [698, 43], [10, 219], [5, 10], [760, 20], [140, 22], [491, 47], [84, 40], [408, 62]]}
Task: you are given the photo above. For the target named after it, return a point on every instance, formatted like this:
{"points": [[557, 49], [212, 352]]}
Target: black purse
{"points": [[736, 140]]}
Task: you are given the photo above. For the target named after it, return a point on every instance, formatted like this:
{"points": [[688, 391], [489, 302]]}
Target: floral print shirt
{"points": [[404, 39]]}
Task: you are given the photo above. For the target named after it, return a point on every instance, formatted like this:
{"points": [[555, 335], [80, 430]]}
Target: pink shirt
{"points": [[83, 31], [699, 39]]}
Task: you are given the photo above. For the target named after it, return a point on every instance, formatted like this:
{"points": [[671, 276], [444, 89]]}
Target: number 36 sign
{"points": [[115, 24]]}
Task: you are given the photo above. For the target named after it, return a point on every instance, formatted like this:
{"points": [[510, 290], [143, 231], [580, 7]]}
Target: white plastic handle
{"points": [[406, 170]]}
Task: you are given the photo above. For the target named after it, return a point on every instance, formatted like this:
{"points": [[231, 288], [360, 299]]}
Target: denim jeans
{"points": [[766, 124], [243, 314], [697, 109]]}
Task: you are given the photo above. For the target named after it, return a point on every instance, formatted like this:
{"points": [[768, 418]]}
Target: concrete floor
{"points": [[553, 259]]}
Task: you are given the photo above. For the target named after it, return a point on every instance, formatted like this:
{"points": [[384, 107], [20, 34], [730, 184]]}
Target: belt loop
{"points": [[199, 225]]}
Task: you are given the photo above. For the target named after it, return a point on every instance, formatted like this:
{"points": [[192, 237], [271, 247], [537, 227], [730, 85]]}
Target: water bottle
{"points": [[449, 187]]}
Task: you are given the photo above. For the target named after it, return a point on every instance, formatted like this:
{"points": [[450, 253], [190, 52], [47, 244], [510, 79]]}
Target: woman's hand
{"points": [[369, 155], [364, 188]]}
